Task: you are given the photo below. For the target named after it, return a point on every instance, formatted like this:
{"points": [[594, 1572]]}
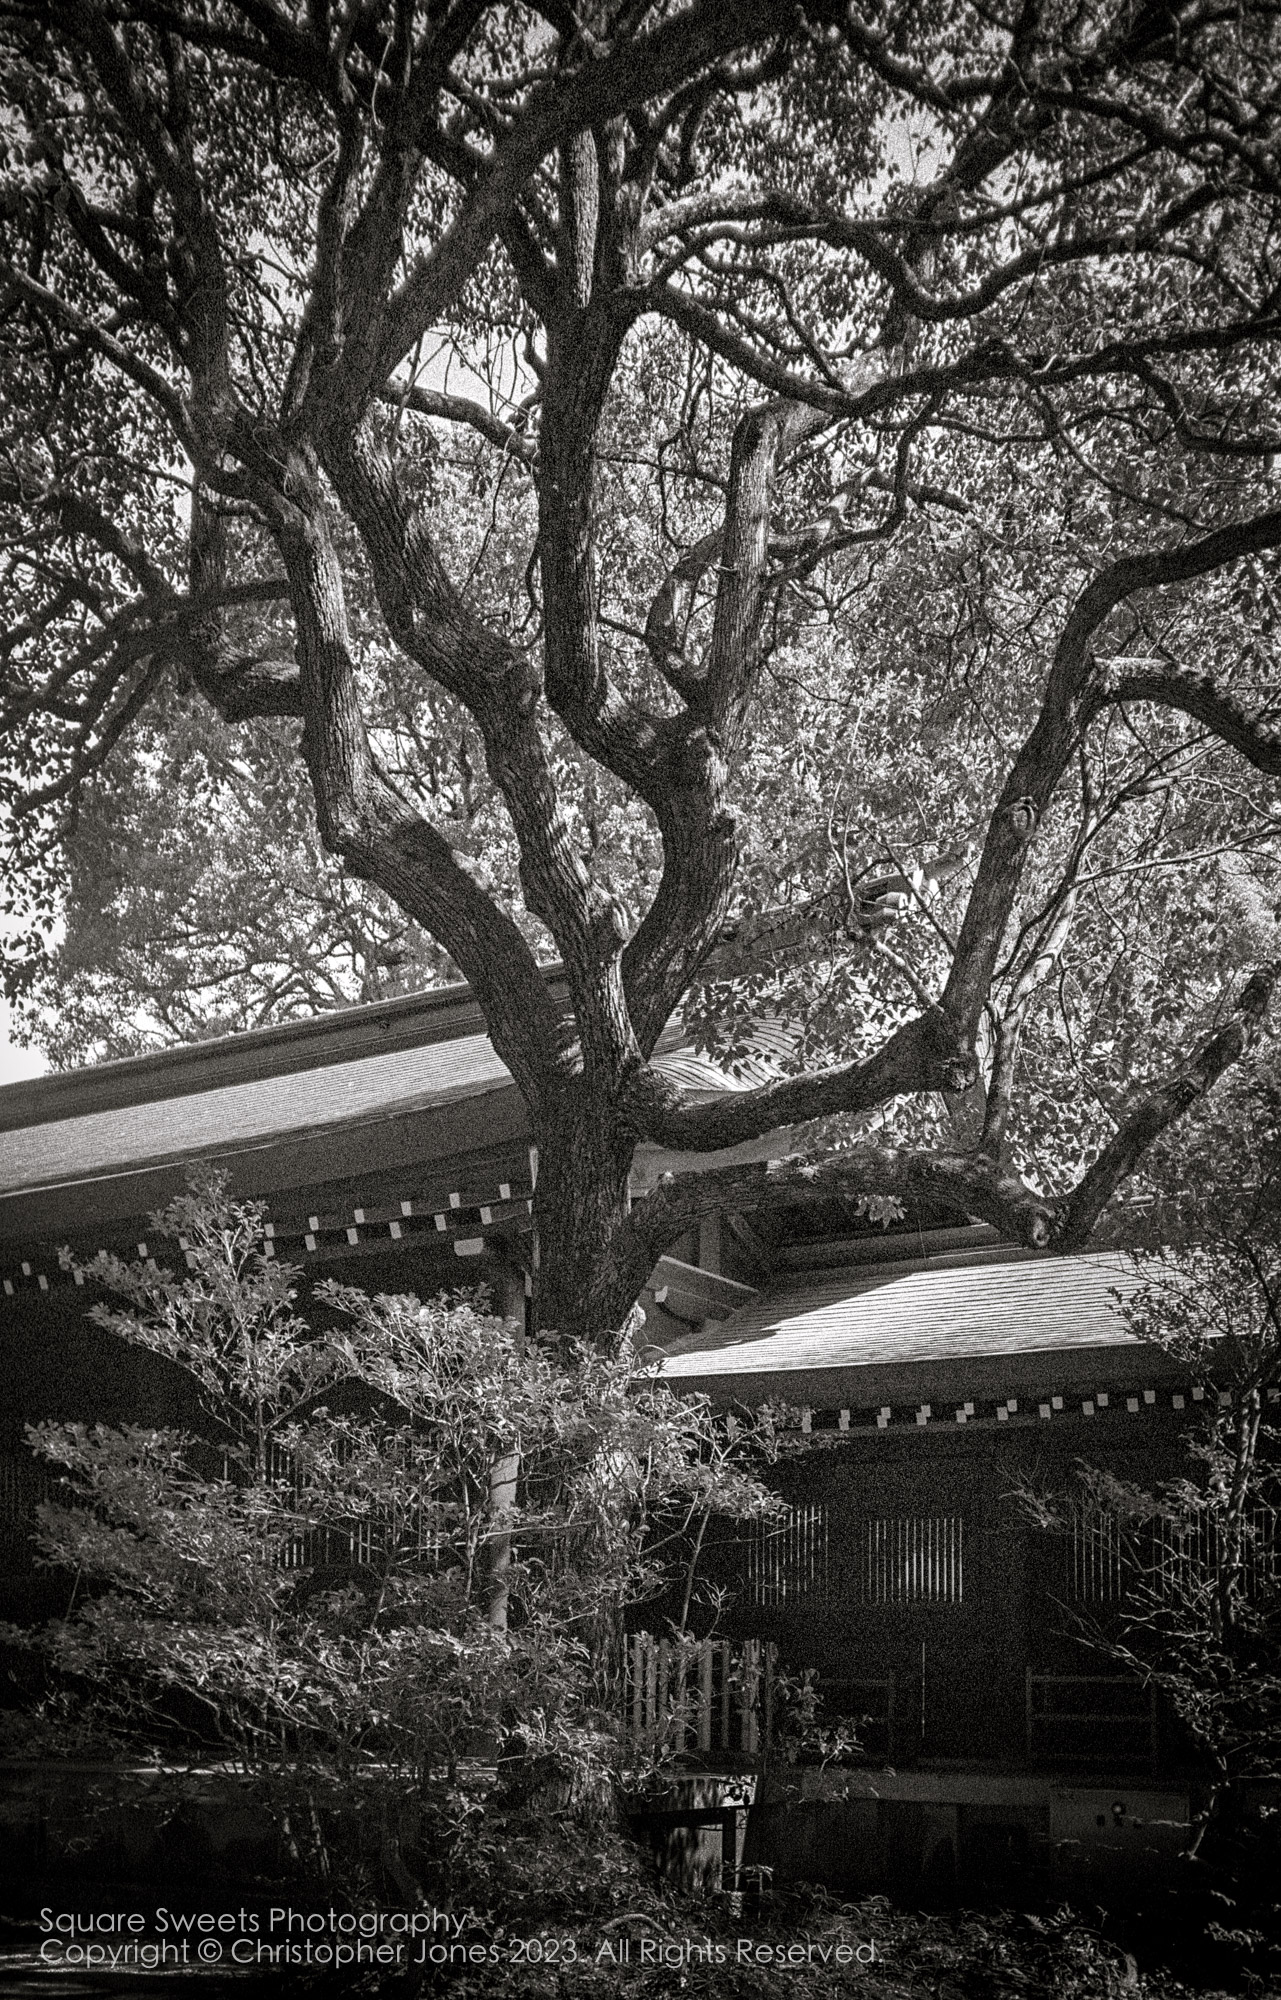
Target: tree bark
{"points": [[582, 1287]]}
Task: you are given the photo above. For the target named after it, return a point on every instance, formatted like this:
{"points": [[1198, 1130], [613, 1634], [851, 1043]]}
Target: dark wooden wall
{"points": [[909, 1557]]}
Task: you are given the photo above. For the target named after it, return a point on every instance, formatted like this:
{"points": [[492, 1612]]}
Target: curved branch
{"points": [[971, 1183], [439, 629], [698, 826], [917, 1057], [362, 818], [869, 241], [968, 1183], [461, 410], [1256, 737], [669, 613], [147, 378], [582, 350], [96, 739], [1045, 753], [1157, 569], [990, 360], [1158, 1109]]}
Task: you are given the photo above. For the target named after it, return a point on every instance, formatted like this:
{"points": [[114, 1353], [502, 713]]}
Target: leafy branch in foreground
{"points": [[1193, 1565], [305, 1591]]}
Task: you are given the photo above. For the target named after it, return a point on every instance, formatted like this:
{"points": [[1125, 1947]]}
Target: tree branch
{"points": [[436, 626], [603, 88], [762, 439], [1158, 1109], [1256, 737], [362, 818], [147, 378], [968, 1183], [1009, 1032], [461, 410], [1045, 753], [917, 1057]]}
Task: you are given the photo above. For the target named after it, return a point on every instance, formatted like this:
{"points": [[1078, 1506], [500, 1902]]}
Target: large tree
{"points": [[930, 350]]}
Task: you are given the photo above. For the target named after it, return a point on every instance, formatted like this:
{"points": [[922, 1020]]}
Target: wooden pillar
{"points": [[505, 1470]]}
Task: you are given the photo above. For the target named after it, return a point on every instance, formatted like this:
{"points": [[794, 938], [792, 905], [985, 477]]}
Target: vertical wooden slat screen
{"points": [[636, 1677], [1094, 1557], [749, 1716], [911, 1559], [710, 1695], [705, 1695], [23, 1485], [788, 1558], [899, 1559], [1162, 1560]]}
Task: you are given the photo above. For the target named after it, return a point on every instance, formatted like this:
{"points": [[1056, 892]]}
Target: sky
{"points": [[16, 1063]]}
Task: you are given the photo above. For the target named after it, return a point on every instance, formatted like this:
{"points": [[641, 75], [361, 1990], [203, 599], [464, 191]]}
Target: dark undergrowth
{"points": [[630, 1938]]}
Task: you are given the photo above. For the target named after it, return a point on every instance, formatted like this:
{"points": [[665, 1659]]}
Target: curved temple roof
{"points": [[234, 1116], [856, 1319], [996, 1322], [399, 1080]]}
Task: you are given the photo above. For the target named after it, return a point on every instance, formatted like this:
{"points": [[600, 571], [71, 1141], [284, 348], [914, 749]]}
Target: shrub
{"points": [[387, 1581]]}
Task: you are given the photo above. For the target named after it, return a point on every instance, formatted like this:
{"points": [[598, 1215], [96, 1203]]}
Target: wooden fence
{"points": [[710, 1697]]}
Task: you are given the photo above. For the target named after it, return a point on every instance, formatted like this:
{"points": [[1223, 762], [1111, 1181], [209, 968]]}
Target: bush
{"points": [[387, 1582]]}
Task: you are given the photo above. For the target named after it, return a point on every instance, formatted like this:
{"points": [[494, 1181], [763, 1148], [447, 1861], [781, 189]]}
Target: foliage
{"points": [[1200, 1614], [1201, 1611], [199, 901], [1198, 1617], [304, 1592], [702, 477]]}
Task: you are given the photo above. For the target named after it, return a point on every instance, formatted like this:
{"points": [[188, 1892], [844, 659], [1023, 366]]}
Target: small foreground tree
{"points": [[305, 1592]]}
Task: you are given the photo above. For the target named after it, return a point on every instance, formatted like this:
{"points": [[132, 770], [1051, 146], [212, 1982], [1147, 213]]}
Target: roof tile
{"points": [[869, 1318]]}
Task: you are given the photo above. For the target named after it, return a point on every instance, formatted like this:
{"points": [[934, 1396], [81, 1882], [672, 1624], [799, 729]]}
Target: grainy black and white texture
{"points": [[851, 496]]}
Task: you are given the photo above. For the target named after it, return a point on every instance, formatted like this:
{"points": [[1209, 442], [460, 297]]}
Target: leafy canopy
{"points": [[681, 478]]}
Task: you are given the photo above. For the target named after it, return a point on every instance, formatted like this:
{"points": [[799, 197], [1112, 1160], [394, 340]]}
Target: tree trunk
{"points": [[580, 1205], [503, 1476]]}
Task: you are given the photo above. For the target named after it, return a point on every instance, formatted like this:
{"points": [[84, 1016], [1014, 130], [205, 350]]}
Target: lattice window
{"points": [[911, 1559], [1162, 1560], [1095, 1557], [897, 1559], [787, 1556]]}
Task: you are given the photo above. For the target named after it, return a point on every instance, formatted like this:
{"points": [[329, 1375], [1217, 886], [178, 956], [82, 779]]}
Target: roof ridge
{"points": [[409, 1020]]}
